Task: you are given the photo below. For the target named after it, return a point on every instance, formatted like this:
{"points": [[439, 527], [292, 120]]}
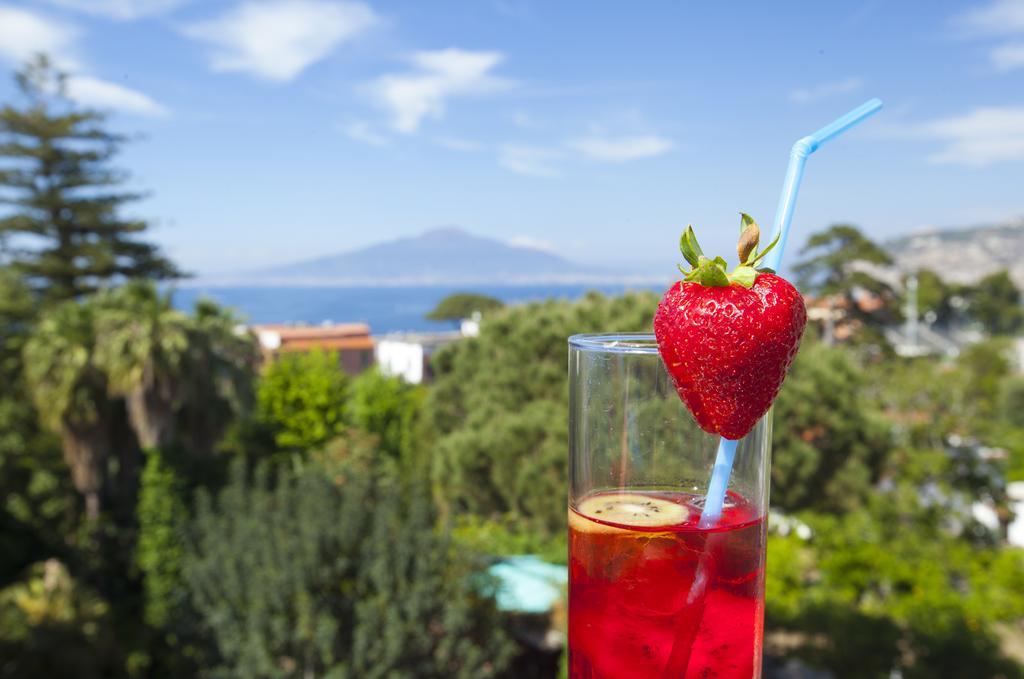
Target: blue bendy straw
{"points": [[715, 498]]}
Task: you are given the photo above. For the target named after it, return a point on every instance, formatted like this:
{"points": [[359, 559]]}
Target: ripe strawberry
{"points": [[728, 339]]}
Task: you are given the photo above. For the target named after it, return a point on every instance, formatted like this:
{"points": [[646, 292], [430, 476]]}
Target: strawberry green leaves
{"points": [[689, 247], [714, 272], [744, 275], [709, 272]]}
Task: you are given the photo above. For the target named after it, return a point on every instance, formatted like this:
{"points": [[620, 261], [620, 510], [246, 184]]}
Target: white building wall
{"points": [[1015, 531], [470, 327], [401, 359]]}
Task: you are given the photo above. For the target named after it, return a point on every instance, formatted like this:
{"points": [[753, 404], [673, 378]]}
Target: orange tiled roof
{"points": [[335, 343], [291, 333]]}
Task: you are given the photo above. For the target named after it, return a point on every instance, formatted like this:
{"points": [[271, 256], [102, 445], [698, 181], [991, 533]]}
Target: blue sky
{"points": [[273, 130]]}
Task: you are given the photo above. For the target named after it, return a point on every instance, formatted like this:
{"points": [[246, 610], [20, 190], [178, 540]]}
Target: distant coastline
{"points": [[250, 281], [386, 308]]}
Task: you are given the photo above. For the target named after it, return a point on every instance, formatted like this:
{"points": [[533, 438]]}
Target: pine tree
{"points": [[63, 230]]}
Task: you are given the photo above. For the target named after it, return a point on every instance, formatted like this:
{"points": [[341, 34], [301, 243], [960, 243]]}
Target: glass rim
{"points": [[615, 342]]}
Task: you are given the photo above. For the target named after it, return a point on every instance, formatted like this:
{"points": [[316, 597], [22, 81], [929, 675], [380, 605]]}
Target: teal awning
{"points": [[526, 584]]}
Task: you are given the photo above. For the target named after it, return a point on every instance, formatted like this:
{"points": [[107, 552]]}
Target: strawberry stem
{"points": [[714, 272]]}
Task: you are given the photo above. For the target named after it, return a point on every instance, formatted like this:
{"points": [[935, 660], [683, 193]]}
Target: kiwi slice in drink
{"points": [[626, 509]]}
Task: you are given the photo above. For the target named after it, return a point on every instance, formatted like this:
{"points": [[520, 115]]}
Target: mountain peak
{"points": [[439, 256], [446, 232]]}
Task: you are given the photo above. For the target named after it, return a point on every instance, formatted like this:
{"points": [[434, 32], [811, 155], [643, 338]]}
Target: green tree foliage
{"points": [[1011, 400], [983, 367], [161, 515], [302, 397], [993, 402], [935, 296], [831, 442], [828, 256], [219, 380], [69, 388], [386, 407], [328, 588], [33, 477], [461, 305], [496, 416], [995, 302], [904, 580], [886, 588], [930, 405], [63, 197], [54, 626], [142, 345], [35, 516], [831, 265], [17, 309], [130, 342]]}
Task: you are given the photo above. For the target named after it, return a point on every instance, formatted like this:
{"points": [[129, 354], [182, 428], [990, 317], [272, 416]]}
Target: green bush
{"points": [[334, 568], [830, 441], [161, 515], [301, 396], [52, 625], [385, 407], [1011, 401], [885, 588]]}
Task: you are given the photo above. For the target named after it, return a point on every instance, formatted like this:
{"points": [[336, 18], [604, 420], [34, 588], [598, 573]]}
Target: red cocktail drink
{"points": [[655, 591], [652, 594]]}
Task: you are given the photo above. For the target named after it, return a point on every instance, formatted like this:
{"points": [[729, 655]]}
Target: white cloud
{"points": [[362, 131], [807, 95], [980, 137], [621, 149], [998, 19], [533, 161], [103, 94], [1008, 57], [546, 161], [531, 243], [24, 34], [438, 76], [279, 39], [122, 10], [1001, 17]]}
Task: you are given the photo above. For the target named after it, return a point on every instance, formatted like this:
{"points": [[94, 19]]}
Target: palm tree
{"points": [[70, 391], [142, 343], [221, 361]]}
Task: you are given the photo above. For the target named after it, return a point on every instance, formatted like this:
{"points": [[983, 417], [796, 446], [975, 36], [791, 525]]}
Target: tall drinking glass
{"points": [[653, 591]]}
